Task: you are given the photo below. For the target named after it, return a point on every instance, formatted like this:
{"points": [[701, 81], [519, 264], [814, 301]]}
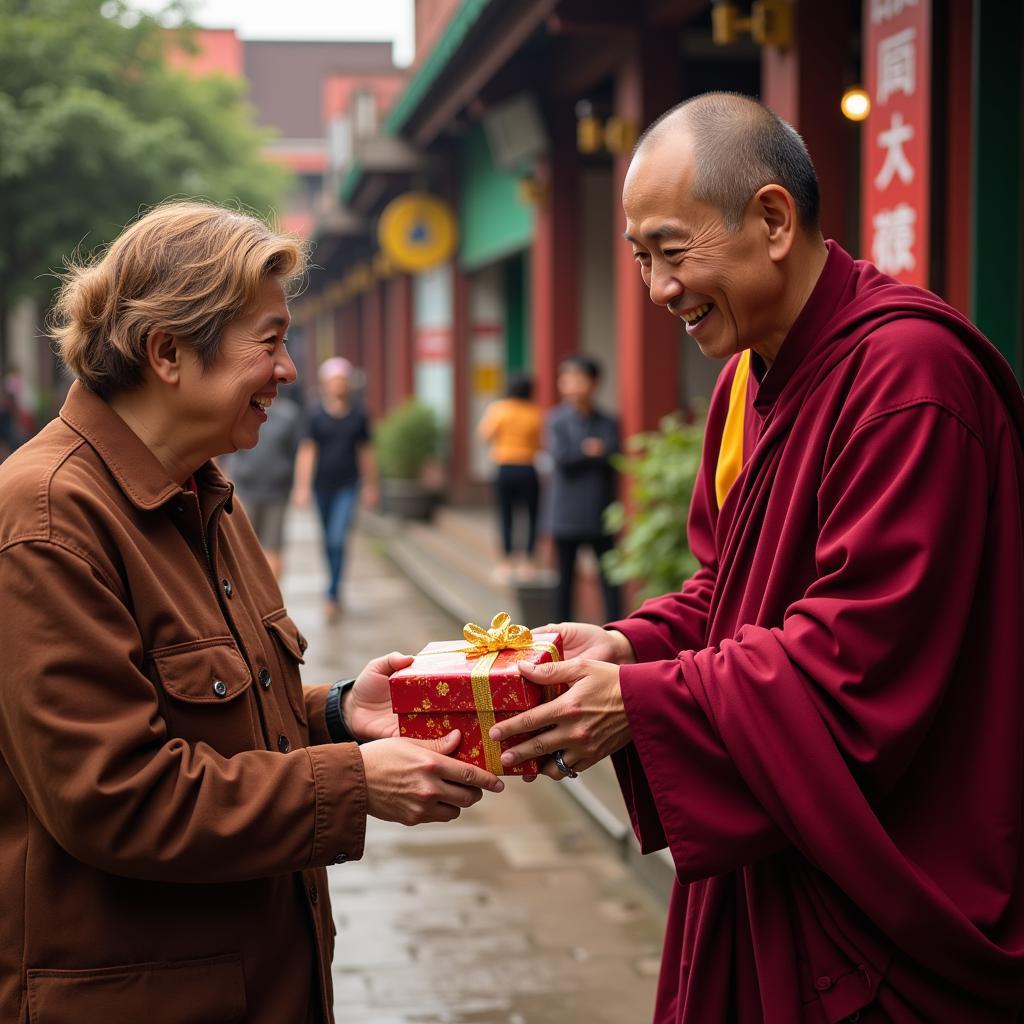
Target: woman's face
{"points": [[230, 400]]}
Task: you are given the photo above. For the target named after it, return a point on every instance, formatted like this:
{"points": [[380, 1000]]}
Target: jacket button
{"points": [[823, 983], [265, 677], [228, 589], [220, 687], [283, 744], [341, 858], [303, 643], [314, 895]]}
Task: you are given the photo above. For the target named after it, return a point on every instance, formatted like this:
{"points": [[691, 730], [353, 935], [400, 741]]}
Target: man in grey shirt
{"points": [[580, 440], [263, 475]]}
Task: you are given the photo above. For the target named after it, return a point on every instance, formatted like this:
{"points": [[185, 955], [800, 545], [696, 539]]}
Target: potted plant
{"points": [[405, 441]]}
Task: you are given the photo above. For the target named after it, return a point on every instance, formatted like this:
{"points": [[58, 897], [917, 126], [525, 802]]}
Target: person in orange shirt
{"points": [[513, 427]]}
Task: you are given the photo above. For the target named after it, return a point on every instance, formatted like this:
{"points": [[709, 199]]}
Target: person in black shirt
{"points": [[335, 464], [580, 440]]}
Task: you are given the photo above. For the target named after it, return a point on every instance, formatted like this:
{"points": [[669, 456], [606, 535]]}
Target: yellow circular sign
{"points": [[417, 231]]}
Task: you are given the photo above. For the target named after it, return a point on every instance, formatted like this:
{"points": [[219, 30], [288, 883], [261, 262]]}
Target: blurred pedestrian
{"points": [[581, 440], [170, 793], [263, 476], [513, 427], [10, 435], [336, 463]]}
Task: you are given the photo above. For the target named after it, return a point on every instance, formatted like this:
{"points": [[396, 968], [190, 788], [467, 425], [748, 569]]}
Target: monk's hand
{"points": [[413, 781], [585, 640], [586, 723], [367, 705]]}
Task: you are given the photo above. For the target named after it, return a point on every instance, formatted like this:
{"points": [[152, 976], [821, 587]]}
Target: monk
{"points": [[825, 725]]}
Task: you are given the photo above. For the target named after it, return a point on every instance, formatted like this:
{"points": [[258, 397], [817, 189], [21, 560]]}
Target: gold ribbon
{"points": [[484, 647], [480, 677]]}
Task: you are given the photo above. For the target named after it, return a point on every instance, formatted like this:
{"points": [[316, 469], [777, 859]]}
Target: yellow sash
{"points": [[730, 454]]}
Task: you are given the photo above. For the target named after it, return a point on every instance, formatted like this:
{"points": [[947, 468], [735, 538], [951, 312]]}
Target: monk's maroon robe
{"points": [[828, 718]]}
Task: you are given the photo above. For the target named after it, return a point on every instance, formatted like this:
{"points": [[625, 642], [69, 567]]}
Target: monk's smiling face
{"points": [[724, 284]]}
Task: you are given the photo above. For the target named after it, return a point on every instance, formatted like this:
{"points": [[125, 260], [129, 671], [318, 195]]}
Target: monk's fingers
{"points": [[551, 770], [554, 673], [542, 717], [535, 748]]}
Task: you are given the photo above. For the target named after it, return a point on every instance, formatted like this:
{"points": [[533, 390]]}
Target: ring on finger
{"points": [[563, 767]]}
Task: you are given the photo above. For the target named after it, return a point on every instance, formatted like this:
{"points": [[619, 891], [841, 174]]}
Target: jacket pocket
{"points": [[206, 991], [206, 686], [291, 646]]}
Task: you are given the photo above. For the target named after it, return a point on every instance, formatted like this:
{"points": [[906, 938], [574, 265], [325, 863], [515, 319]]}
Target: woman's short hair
{"points": [[188, 268], [520, 385]]}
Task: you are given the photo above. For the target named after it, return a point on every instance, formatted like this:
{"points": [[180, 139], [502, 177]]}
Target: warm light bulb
{"points": [[855, 104]]}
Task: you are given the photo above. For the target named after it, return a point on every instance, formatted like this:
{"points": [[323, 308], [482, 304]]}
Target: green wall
{"points": [[998, 222], [493, 222]]}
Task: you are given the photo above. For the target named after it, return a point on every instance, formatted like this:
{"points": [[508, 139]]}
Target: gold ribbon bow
{"points": [[504, 635]]}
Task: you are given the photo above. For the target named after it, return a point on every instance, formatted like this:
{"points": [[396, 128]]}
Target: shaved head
{"points": [[739, 146]]}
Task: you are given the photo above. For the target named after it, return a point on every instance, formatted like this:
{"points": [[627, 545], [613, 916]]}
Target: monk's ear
{"points": [[776, 211], [164, 354]]}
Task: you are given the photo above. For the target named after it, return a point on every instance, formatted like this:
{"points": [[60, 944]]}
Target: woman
{"points": [[169, 792], [512, 427]]}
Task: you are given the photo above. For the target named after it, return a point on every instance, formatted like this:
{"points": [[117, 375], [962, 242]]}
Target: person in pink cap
{"points": [[336, 463]]}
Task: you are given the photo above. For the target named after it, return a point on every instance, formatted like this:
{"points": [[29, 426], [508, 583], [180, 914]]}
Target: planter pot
{"points": [[535, 599], [406, 499]]}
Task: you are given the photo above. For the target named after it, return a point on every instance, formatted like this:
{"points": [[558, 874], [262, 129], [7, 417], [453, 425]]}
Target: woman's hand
{"points": [[413, 781], [367, 705]]}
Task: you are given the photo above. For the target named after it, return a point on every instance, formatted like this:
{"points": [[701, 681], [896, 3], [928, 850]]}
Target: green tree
{"points": [[95, 126]]}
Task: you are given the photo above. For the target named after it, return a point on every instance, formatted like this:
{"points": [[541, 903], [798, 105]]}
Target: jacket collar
{"points": [[133, 466]]}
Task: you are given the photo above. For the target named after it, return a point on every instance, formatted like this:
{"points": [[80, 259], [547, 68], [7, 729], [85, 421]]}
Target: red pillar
{"points": [[343, 328], [460, 382], [399, 360], [357, 336], [554, 266], [804, 85], [373, 349], [647, 335], [958, 114]]}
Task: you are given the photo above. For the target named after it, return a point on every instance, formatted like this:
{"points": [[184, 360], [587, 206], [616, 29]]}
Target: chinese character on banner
{"points": [[896, 65], [892, 141], [892, 246], [896, 173]]}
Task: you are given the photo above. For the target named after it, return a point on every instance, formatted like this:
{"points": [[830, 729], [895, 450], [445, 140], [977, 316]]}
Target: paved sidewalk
{"points": [[517, 913]]}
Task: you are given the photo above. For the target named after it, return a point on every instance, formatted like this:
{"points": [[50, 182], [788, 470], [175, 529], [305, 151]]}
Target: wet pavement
{"points": [[519, 912]]}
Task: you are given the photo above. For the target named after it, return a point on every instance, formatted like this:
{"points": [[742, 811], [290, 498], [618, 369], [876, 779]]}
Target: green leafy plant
{"points": [[405, 440], [662, 466]]}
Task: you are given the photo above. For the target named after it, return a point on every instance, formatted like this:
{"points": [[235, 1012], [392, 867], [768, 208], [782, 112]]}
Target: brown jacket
{"points": [[168, 792]]}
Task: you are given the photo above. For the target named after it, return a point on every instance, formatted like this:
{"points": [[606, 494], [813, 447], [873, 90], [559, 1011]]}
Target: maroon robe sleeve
{"points": [[663, 626], [783, 736]]}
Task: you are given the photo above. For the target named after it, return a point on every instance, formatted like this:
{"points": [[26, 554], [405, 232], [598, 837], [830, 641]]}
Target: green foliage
{"points": [[405, 440], [663, 468], [96, 127]]}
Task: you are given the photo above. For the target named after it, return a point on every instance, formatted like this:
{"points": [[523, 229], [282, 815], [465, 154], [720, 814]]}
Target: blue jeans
{"points": [[337, 513]]}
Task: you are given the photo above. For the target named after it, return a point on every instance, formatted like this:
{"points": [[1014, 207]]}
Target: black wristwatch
{"points": [[336, 725]]}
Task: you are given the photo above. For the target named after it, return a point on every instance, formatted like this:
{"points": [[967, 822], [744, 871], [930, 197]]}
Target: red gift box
{"points": [[459, 685]]}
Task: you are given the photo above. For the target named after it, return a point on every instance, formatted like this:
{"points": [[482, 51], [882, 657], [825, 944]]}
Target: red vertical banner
{"points": [[896, 169]]}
